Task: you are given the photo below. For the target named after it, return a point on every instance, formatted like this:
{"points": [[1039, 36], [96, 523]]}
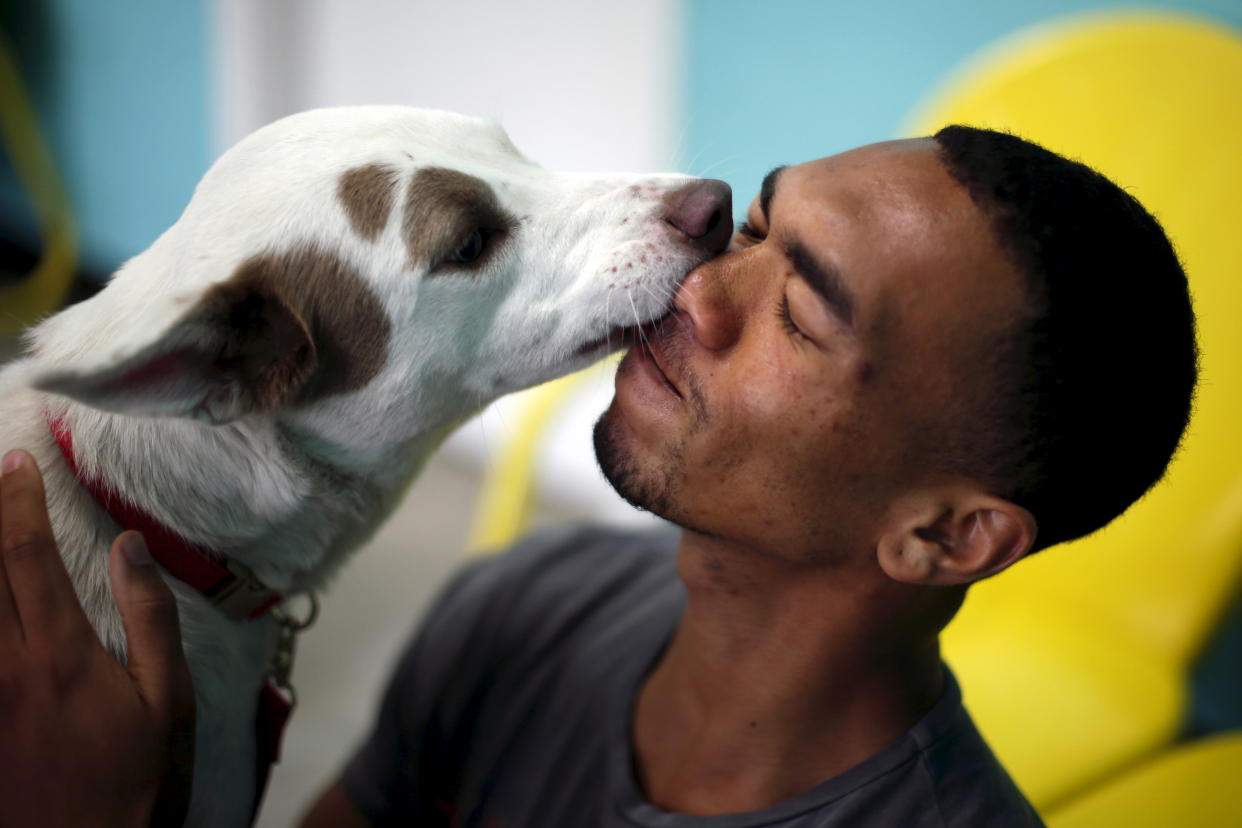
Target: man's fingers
{"points": [[152, 627], [40, 587], [10, 623]]}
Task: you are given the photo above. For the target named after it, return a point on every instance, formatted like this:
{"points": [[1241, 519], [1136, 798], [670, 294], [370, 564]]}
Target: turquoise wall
{"points": [[124, 89], [785, 81], [122, 92]]}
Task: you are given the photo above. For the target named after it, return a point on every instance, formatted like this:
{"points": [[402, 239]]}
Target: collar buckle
{"points": [[243, 596]]}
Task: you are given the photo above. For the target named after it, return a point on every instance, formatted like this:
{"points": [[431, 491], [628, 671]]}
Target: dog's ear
{"points": [[241, 349]]}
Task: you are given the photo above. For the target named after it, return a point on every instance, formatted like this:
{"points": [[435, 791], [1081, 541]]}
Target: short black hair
{"points": [[1094, 388]]}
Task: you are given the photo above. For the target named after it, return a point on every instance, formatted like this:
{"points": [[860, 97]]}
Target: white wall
{"points": [[579, 85]]}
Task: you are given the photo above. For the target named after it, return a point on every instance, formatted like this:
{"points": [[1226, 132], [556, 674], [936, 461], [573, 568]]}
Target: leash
{"points": [[230, 587], [277, 697]]}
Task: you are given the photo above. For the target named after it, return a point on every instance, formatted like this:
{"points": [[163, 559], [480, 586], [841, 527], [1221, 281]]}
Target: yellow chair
{"points": [[1193, 786], [1074, 663]]}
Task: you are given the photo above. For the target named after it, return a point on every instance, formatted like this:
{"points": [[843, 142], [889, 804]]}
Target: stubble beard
{"points": [[653, 490], [653, 487]]}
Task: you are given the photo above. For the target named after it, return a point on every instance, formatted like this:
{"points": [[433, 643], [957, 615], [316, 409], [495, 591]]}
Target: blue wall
{"points": [[785, 81], [122, 92]]}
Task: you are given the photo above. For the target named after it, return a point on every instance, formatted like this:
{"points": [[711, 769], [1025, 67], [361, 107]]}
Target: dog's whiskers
{"points": [[608, 319], [642, 335], [660, 301], [694, 160], [633, 309], [638, 322], [716, 164]]}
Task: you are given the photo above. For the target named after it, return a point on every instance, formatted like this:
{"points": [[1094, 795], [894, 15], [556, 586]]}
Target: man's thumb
{"points": [[152, 627]]}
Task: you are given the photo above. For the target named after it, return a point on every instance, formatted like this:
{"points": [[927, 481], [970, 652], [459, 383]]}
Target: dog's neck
{"points": [[262, 491]]}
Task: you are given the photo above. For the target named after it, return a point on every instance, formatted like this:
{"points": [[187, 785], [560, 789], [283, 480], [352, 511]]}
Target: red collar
{"points": [[227, 584]]}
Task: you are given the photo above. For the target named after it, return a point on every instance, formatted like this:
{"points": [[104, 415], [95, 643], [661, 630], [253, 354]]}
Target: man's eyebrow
{"points": [[823, 279], [768, 189]]}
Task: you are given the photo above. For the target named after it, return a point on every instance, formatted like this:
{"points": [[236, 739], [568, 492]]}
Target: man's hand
{"points": [[84, 740]]}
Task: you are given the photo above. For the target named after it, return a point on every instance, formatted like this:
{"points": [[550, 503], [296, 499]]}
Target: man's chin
{"points": [[644, 490], [653, 491]]}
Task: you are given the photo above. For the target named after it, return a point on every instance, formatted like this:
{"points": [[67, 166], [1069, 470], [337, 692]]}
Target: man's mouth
{"points": [[644, 340]]}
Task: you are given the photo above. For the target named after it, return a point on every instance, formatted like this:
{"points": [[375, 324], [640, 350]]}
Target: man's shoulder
{"points": [[967, 780]]}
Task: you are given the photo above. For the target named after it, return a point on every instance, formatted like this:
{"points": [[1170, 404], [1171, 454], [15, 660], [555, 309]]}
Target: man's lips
{"points": [[645, 345]]}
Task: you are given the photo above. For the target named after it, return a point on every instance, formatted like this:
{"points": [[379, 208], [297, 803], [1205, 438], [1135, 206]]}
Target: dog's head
{"points": [[378, 271]]}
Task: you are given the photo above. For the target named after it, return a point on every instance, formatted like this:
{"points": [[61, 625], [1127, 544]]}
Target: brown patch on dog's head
{"points": [[255, 338], [442, 208], [347, 325], [367, 193]]}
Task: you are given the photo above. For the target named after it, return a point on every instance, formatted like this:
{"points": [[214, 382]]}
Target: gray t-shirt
{"points": [[511, 709]]}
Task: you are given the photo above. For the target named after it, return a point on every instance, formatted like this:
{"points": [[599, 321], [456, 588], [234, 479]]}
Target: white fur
{"points": [[290, 493]]}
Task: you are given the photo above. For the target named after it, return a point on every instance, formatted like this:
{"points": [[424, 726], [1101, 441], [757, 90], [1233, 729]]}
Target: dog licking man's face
{"points": [[375, 273]]}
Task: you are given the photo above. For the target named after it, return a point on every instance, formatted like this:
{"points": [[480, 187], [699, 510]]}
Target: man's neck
{"points": [[780, 676]]}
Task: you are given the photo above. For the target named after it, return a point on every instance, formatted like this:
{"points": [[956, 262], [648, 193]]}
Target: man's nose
{"points": [[703, 212], [706, 298]]}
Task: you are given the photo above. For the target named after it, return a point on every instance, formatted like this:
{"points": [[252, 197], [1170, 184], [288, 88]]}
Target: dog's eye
{"points": [[470, 250]]}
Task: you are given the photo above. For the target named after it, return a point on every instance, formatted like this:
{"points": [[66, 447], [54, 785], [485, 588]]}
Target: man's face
{"points": [[808, 373]]}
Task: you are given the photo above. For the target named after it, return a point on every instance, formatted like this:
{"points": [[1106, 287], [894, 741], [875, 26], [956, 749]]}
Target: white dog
{"points": [[345, 287]]}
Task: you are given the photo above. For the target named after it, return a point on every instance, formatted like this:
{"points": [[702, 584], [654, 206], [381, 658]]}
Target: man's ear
{"points": [[953, 535], [241, 349]]}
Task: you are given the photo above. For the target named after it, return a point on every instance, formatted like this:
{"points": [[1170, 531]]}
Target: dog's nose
{"points": [[704, 212]]}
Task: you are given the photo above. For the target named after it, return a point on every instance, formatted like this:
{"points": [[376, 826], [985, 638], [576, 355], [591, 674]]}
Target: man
{"points": [[919, 362]]}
